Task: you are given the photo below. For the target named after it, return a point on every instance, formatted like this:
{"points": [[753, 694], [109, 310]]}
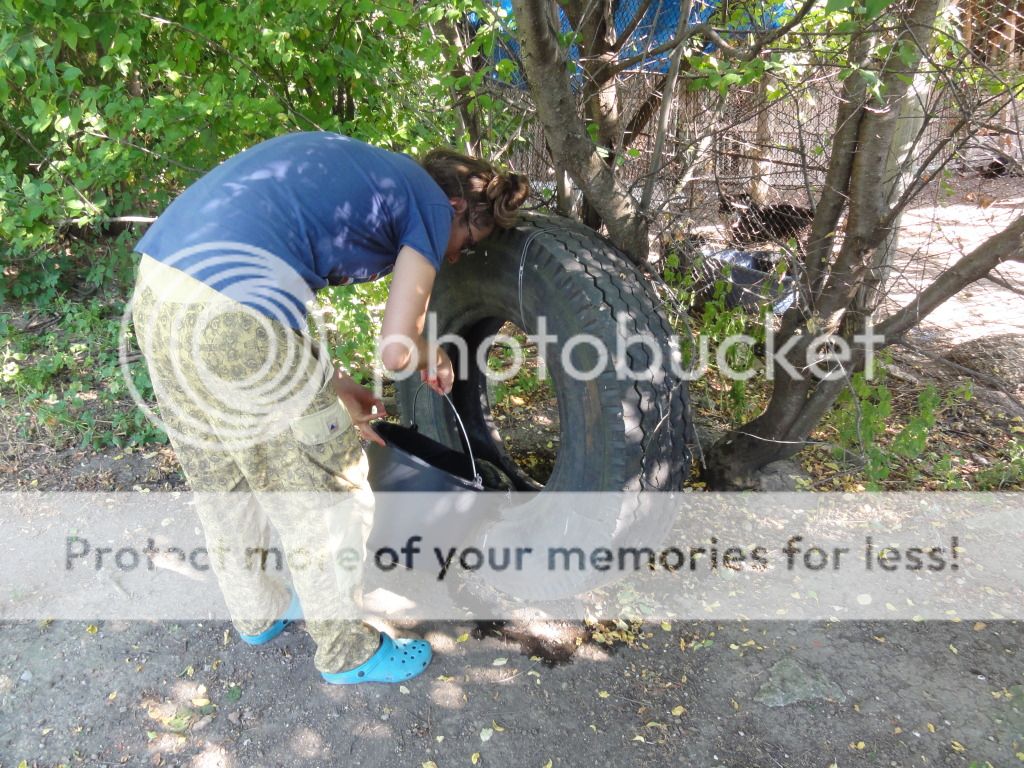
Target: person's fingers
{"points": [[371, 435]]}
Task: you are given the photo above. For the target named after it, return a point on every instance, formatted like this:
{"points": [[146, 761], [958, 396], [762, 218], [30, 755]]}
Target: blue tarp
{"points": [[657, 26]]}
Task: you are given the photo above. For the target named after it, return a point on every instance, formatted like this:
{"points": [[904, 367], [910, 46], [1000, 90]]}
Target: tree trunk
{"points": [[595, 35], [761, 164], [459, 36], [900, 172], [863, 149], [544, 64]]}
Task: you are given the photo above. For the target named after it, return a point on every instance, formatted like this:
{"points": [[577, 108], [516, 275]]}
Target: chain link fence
{"points": [[771, 139]]}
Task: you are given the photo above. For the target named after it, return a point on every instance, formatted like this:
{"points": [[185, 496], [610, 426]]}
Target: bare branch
{"points": [[666, 110], [1007, 245], [984, 378], [644, 113], [1005, 284], [630, 28], [739, 54]]}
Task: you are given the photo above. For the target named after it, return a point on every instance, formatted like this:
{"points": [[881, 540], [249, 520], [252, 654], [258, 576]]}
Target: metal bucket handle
{"points": [[477, 480]]}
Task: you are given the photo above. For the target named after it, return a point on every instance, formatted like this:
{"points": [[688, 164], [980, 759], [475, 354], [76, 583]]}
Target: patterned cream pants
{"points": [[304, 472]]}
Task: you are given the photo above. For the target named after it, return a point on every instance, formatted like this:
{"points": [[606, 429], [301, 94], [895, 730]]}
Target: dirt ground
{"points": [[846, 694], [737, 694]]}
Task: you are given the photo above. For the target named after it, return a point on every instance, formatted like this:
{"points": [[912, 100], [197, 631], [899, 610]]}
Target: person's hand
{"points": [[440, 376], [362, 405]]}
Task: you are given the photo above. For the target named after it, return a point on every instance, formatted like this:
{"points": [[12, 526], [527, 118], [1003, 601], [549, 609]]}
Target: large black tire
{"points": [[616, 434]]}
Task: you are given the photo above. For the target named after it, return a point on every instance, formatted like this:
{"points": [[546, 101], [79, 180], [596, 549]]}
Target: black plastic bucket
{"points": [[414, 463]]}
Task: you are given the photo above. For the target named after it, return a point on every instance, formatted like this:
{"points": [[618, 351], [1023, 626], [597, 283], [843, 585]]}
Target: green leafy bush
{"points": [[112, 107], [865, 427]]}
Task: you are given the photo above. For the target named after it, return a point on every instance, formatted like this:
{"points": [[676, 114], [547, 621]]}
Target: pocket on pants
{"points": [[326, 437], [323, 425]]}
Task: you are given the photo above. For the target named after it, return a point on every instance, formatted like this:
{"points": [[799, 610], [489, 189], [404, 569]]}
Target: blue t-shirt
{"points": [[301, 211]]}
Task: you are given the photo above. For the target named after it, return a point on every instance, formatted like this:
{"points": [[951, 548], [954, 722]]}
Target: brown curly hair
{"points": [[492, 196]]}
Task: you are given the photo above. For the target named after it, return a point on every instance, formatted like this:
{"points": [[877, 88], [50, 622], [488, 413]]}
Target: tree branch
{"points": [[984, 378], [627, 33], [1007, 245], [730, 51], [666, 111], [643, 113], [544, 65]]}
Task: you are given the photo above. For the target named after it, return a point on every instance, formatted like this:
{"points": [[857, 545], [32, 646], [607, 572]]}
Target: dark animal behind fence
{"points": [[764, 222]]}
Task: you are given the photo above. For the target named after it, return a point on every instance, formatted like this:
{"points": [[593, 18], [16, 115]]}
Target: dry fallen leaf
{"points": [[499, 662], [485, 734], [678, 711], [603, 694], [474, 758]]}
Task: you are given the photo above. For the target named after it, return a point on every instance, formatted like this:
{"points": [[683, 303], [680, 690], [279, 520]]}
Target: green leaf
{"points": [[70, 38], [908, 54], [875, 7]]}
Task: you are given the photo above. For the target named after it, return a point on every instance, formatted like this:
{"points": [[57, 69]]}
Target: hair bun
{"points": [[491, 195], [508, 191], [496, 186]]}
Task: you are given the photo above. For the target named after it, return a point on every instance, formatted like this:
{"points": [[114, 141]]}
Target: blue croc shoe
{"points": [[293, 613], [394, 662]]}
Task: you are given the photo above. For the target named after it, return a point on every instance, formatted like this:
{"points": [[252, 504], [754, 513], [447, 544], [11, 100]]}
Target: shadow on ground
{"points": [[700, 694]]}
